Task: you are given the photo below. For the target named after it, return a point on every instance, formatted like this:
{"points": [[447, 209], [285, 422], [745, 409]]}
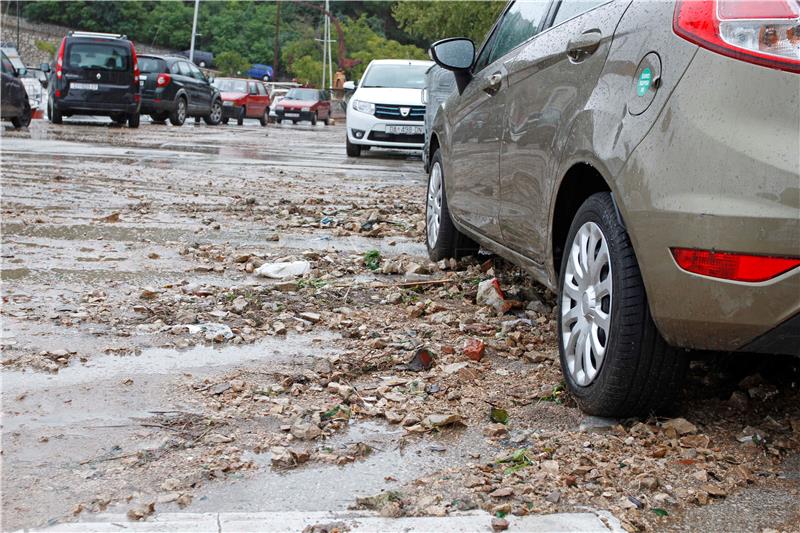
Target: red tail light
{"points": [[765, 32], [60, 60], [733, 266], [135, 65], [163, 80]]}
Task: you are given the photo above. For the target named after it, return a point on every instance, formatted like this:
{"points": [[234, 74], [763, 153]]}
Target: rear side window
{"points": [[152, 64], [252, 89], [175, 68], [186, 70], [568, 9], [99, 56], [520, 23], [262, 91]]}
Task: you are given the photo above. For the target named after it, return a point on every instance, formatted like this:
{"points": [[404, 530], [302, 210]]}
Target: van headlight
{"points": [[364, 107]]}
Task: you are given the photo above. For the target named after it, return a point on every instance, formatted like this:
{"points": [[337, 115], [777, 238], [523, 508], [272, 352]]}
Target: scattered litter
{"points": [[474, 348], [212, 331], [422, 360], [283, 270], [490, 294]]}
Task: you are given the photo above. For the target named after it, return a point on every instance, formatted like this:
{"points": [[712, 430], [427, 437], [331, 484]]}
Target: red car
{"points": [[304, 104], [243, 99]]}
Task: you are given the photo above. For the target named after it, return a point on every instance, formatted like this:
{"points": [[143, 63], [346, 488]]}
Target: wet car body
{"points": [[174, 88], [95, 74], [301, 104], [243, 99], [695, 175], [14, 105]]}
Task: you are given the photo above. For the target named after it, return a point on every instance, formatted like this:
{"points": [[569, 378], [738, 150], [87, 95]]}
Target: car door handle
{"points": [[584, 45], [493, 83]]}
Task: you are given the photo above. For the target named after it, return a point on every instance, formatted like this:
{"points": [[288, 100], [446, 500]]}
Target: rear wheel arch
{"points": [[580, 182]]}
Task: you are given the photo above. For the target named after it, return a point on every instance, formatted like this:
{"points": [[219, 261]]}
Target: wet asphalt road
{"points": [[170, 187]]}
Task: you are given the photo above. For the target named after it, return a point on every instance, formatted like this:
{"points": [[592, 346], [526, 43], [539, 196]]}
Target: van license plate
{"points": [[405, 130], [84, 86]]}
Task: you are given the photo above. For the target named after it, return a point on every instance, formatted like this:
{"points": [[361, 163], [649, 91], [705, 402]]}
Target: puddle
{"points": [[331, 487], [293, 349]]}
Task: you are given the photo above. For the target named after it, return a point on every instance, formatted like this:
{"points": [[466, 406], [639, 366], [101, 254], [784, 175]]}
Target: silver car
{"points": [[642, 160]]}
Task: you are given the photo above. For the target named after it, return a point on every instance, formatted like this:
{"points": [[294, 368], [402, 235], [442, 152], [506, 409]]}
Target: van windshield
{"points": [[396, 76], [99, 56]]}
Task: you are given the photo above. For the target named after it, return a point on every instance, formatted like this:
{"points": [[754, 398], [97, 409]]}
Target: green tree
{"points": [[231, 63], [436, 20]]}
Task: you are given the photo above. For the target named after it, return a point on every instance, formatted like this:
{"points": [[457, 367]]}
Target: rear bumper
{"points": [[81, 106], [784, 339], [153, 105], [718, 171]]}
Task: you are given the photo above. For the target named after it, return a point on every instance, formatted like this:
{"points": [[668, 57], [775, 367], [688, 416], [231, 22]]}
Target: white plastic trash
{"points": [[291, 269]]}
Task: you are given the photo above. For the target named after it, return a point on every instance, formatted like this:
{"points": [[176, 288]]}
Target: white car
{"points": [[386, 109]]}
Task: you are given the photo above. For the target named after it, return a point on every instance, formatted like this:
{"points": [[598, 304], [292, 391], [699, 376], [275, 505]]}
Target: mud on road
{"points": [[147, 367]]}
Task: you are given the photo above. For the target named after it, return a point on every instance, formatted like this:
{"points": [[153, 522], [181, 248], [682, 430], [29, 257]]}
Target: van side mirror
{"points": [[21, 72], [456, 54], [44, 67], [349, 86]]}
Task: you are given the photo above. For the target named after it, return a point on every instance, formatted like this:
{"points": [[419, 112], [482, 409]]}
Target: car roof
{"points": [[421, 62]]}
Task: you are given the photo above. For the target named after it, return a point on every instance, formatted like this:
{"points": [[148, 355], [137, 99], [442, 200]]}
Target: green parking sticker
{"points": [[644, 82]]}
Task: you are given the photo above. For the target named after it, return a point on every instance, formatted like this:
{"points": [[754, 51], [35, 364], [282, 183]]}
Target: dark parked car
{"points": [[304, 104], [14, 104], [625, 154], [174, 88], [243, 99], [95, 74]]}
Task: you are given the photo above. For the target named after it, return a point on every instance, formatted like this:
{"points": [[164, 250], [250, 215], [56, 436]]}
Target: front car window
{"points": [[521, 22], [196, 72], [99, 56], [396, 76], [302, 94], [262, 90], [568, 9]]}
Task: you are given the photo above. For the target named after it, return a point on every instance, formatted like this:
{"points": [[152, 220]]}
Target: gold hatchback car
{"points": [[641, 159]]}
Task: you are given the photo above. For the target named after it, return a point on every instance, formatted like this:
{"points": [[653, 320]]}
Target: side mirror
{"points": [[44, 67], [457, 55], [21, 72], [349, 86], [211, 79]]}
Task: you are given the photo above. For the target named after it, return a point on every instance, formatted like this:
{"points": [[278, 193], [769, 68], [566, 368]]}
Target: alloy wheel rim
{"points": [[434, 208], [181, 111], [216, 111], [586, 304]]}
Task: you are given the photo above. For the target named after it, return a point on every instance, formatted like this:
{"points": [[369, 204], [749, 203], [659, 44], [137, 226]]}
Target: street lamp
{"points": [[194, 30]]}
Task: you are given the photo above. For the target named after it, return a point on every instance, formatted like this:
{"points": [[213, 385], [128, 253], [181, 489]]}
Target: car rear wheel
{"points": [[215, 116], [327, 120], [53, 113], [613, 358], [314, 119], [133, 120], [24, 120], [178, 115], [441, 236], [264, 118], [242, 114], [353, 150], [278, 120]]}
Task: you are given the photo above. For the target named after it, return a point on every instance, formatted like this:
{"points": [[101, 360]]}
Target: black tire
{"points": [[294, 122], [448, 241], [54, 114], [178, 115], [327, 120], [133, 120], [159, 118], [24, 120], [640, 373], [242, 114], [278, 121], [264, 118], [215, 116], [353, 150], [314, 119]]}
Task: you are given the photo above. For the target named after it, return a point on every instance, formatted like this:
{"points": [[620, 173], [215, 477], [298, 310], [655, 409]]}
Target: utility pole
{"points": [[194, 29], [277, 39], [327, 61], [18, 26]]}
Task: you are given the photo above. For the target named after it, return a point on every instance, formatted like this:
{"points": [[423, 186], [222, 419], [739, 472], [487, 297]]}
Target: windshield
{"points": [[152, 64], [99, 56], [231, 86], [302, 94], [396, 76]]}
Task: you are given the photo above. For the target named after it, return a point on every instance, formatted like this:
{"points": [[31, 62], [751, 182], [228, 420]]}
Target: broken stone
{"points": [[503, 492], [680, 425], [474, 348], [311, 317], [142, 512], [306, 431], [441, 420], [499, 524]]}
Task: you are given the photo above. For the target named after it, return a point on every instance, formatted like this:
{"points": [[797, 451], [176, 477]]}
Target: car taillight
{"points": [[763, 32], [60, 60], [733, 266], [135, 65], [163, 80]]}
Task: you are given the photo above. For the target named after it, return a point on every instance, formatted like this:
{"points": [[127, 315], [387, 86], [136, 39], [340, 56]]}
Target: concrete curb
{"points": [[295, 522]]}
